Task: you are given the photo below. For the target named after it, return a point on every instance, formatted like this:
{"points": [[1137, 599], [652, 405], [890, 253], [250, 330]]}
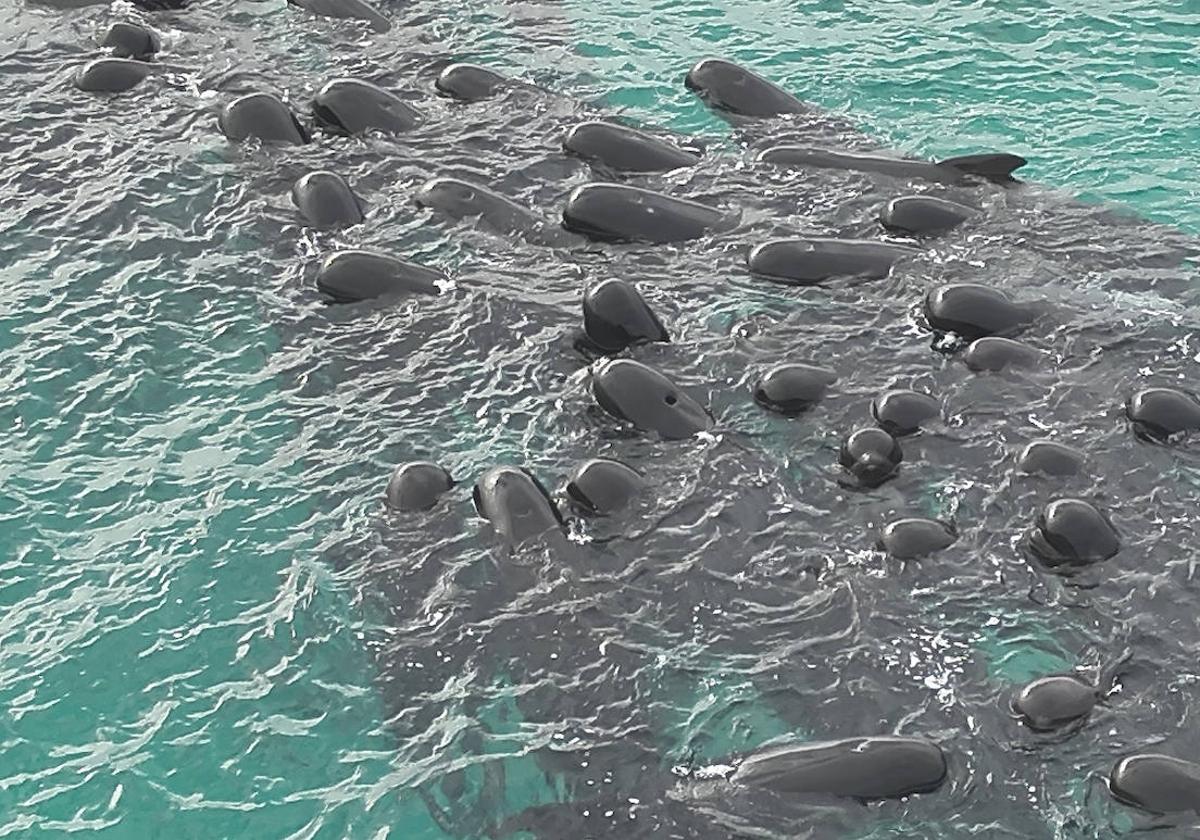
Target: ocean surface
{"points": [[209, 627]]}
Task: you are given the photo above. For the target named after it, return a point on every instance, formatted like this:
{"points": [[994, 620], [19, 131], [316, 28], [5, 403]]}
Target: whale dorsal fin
{"points": [[994, 167]]}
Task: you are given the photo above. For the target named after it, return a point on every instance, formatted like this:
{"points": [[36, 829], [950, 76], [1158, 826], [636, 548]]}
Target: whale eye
{"points": [[670, 399]]}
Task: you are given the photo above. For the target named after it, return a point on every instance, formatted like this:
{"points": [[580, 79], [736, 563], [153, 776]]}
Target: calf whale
{"points": [[354, 106], [351, 276], [997, 167], [469, 82], [111, 75]]}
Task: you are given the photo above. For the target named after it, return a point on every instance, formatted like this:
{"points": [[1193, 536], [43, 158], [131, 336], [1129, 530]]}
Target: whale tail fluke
{"points": [[993, 167]]}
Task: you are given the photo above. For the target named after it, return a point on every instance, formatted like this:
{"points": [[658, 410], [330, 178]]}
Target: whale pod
{"points": [[1161, 413], [601, 487], [619, 213], [469, 82], [353, 106], [416, 486], [973, 311], [870, 455], [901, 412], [349, 276], [111, 75], [991, 167], [908, 539], [1050, 458], [1071, 532], [131, 40], [793, 388], [516, 504], [861, 768], [995, 352], [726, 86], [625, 149], [640, 395], [615, 316], [1159, 783], [263, 116], [326, 200], [345, 9], [1051, 702], [812, 260], [923, 214]]}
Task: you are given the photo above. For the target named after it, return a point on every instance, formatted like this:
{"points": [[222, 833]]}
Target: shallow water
{"points": [[209, 627]]}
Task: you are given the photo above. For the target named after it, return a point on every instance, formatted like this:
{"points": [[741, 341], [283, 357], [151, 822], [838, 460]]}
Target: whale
{"points": [[469, 82], [326, 200], [131, 40], [731, 88], [263, 116], [1049, 703], [516, 504], [972, 310], [811, 260], [417, 486], [901, 412], [1162, 414], [923, 215], [914, 537], [355, 275], [640, 395], [625, 149], [1049, 457], [995, 353], [620, 213], [460, 199], [882, 767], [793, 388], [1071, 533], [1158, 783], [345, 9], [871, 456], [992, 167], [616, 317], [353, 106], [112, 75], [603, 487]]}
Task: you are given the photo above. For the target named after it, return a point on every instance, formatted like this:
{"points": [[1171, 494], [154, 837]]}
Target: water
{"points": [[209, 629]]}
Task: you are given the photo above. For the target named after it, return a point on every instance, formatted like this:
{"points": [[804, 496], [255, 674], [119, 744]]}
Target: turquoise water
{"points": [[176, 655]]}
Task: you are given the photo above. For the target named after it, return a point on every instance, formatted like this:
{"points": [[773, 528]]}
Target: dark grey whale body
{"points": [[793, 388], [913, 537], [859, 768], [997, 168], [616, 316], [923, 215], [516, 504], [111, 75], [346, 9], [131, 40], [620, 213], [1162, 413], [602, 486], [1070, 533], [469, 82], [729, 87], [633, 392], [1159, 783], [462, 199], [326, 200], [351, 276], [417, 486], [1049, 703], [872, 456], [263, 116], [625, 149], [354, 106], [805, 261]]}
